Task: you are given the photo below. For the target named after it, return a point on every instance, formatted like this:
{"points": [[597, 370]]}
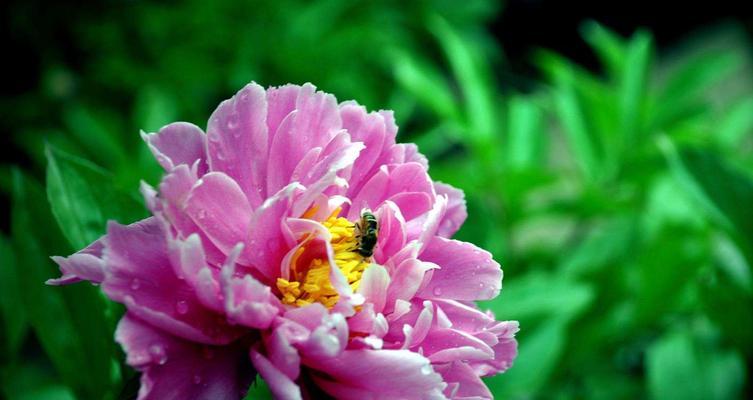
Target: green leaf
{"points": [[718, 187], [573, 119], [523, 297], [30, 381], [95, 133], [603, 247], [426, 84], [633, 85], [474, 78], [258, 390], [736, 124], [69, 322], [525, 136], [608, 46], [11, 304], [689, 82], [540, 351], [83, 198], [679, 368]]}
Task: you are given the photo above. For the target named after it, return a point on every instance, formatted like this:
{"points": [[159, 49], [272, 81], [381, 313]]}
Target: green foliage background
{"points": [[620, 203]]}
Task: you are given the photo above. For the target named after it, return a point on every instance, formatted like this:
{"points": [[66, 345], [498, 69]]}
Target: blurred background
{"points": [[605, 150]]}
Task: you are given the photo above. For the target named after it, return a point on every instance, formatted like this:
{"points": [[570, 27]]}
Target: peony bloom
{"points": [[296, 239]]}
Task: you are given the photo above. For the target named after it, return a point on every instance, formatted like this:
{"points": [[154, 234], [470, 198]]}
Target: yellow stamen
{"points": [[309, 284]]}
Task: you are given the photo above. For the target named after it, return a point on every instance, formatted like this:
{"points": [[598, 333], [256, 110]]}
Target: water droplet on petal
{"points": [[426, 369], [202, 214], [135, 284], [181, 307], [158, 354], [437, 291]]}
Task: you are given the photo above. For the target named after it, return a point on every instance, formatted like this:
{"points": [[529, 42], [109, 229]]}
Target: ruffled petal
{"points": [[407, 184], [85, 265], [248, 301], [176, 369], [382, 374], [173, 191], [139, 274], [462, 382], [238, 141], [313, 124], [178, 143], [281, 386], [369, 128], [373, 287], [466, 271], [456, 209], [265, 248], [217, 205]]}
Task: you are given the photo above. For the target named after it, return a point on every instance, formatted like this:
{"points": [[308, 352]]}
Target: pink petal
{"points": [[396, 374], [238, 140], [466, 271], [468, 384], [178, 143], [264, 250], [505, 350], [373, 287], [174, 190], [190, 264], [368, 128], [282, 387], [139, 274], [84, 265], [407, 280], [176, 369], [391, 236], [247, 301], [218, 206], [394, 181], [313, 124], [456, 209], [444, 345]]}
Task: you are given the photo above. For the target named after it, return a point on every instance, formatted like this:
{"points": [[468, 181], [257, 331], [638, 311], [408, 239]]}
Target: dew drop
{"points": [[437, 291], [181, 307], [158, 354], [232, 122], [426, 369], [202, 214], [135, 284]]}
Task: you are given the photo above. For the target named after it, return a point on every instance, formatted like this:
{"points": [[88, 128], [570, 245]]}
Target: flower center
{"points": [[309, 279]]}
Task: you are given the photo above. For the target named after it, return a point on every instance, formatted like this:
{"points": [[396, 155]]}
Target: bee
{"points": [[367, 234]]}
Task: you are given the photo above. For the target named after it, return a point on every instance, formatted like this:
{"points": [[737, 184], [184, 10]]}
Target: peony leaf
{"points": [[83, 198], [70, 322]]}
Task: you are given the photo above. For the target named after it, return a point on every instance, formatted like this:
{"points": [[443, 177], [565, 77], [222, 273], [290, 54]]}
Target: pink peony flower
{"points": [[296, 237]]}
